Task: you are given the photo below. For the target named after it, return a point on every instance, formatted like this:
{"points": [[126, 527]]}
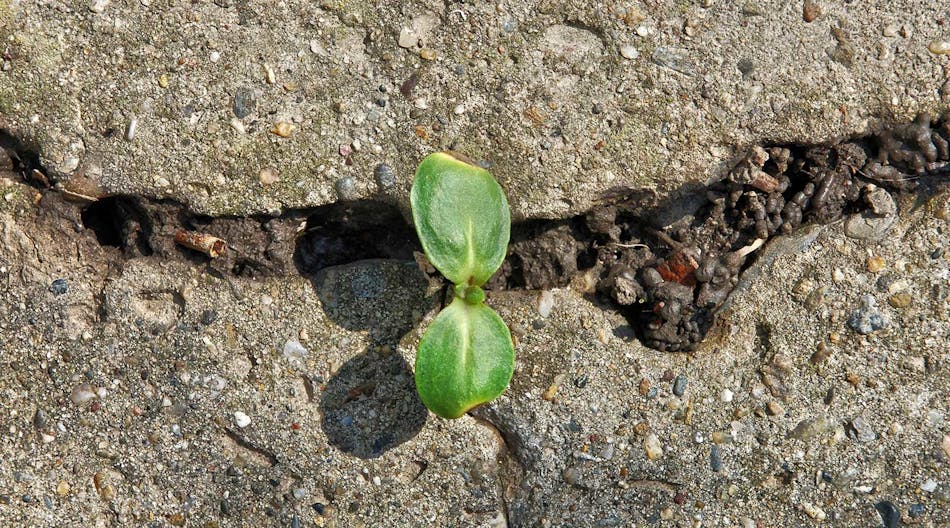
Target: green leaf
{"points": [[465, 358], [462, 218]]}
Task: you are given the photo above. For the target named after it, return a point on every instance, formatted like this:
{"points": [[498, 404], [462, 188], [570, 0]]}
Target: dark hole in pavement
{"points": [[667, 267], [118, 221]]}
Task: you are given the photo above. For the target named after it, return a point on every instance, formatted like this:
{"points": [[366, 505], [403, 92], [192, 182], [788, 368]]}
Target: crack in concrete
{"points": [[667, 267]]}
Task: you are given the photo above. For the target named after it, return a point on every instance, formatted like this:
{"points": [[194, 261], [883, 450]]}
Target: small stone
{"points": [[814, 511], [810, 429], [900, 300], [269, 76], [104, 486], [881, 202], [876, 264], [916, 510], [628, 51], [939, 47], [268, 175], [644, 387], [571, 475], [385, 177], [282, 129], [945, 445], [346, 188], [861, 430], [889, 514], [891, 30], [811, 11], [215, 56], [676, 59], [59, 287], [715, 458], [237, 125], [459, 109], [163, 80], [131, 128], [98, 6], [726, 395], [551, 392], [929, 485], [241, 420], [867, 319], [774, 408], [545, 303], [679, 385], [652, 447], [427, 54], [245, 102], [407, 38], [208, 317], [720, 437], [82, 393], [62, 489], [40, 419], [293, 350]]}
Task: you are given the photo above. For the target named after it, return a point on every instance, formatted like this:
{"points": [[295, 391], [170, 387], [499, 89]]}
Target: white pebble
{"points": [[242, 420], [652, 446], [238, 125], [814, 511], [377, 481], [408, 38], [545, 303], [82, 393], [629, 52], [98, 6], [940, 47], [643, 31], [459, 109], [130, 128], [929, 485], [215, 56], [726, 395], [294, 350]]}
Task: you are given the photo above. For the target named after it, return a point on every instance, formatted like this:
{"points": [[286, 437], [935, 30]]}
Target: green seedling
{"points": [[466, 356]]}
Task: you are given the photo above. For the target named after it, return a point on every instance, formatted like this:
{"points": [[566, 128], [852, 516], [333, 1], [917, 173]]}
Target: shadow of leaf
{"points": [[370, 404]]}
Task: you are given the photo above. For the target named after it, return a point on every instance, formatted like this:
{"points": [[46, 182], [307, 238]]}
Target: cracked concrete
{"points": [[148, 391]]}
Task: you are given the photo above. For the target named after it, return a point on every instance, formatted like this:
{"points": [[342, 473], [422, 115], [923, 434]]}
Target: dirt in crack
{"points": [[668, 280]]}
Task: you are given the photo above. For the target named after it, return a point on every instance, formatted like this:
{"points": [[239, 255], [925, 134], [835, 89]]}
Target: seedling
{"points": [[466, 356]]}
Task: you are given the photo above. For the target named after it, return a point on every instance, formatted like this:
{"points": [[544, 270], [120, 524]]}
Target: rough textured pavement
{"points": [[162, 392]]}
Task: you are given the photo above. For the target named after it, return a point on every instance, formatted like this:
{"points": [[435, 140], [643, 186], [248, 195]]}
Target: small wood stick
{"points": [[209, 245]]}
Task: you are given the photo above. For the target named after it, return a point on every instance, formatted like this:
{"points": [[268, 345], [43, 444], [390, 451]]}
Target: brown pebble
{"points": [[641, 428], [103, 486], [811, 10], [821, 354], [550, 392], [774, 408], [268, 175], [900, 300], [282, 129], [427, 54], [644, 387], [876, 264]]}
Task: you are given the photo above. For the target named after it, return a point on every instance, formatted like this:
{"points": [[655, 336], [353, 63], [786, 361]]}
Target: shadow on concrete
{"points": [[370, 404]]}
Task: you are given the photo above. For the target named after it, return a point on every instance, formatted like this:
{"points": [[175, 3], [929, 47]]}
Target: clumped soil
{"points": [[668, 280]]}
